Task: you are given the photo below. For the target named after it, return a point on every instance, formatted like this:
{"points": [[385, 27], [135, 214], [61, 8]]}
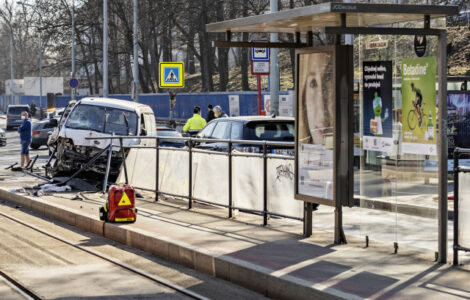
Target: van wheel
{"points": [[34, 146]]}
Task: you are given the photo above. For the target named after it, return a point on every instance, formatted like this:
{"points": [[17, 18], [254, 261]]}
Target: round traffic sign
{"points": [[73, 83]]}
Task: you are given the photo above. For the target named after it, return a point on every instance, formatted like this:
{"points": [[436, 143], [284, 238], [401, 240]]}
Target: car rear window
{"points": [[37, 126], [271, 131], [17, 110]]}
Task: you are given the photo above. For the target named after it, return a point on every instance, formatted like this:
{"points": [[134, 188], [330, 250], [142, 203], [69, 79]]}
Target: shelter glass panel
{"points": [[396, 183]]}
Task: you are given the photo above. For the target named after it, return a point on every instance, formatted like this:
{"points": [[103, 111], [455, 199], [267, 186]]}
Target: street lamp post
{"points": [[73, 47], [40, 56], [12, 71], [136, 55], [105, 48]]}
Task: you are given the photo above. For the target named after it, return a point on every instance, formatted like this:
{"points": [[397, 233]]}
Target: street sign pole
{"points": [[260, 66]]}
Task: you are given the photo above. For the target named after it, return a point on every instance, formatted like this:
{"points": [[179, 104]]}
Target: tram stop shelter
{"points": [[324, 88]]}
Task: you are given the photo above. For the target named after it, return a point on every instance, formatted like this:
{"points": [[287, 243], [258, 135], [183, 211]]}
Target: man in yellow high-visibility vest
{"points": [[196, 122]]}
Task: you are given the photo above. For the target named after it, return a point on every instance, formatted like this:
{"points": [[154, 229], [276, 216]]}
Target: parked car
{"points": [[56, 113], [41, 131], [253, 128], [3, 138], [163, 131], [14, 115], [100, 117]]}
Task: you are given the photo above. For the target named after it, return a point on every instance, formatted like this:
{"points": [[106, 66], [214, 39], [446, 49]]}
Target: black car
{"points": [[252, 128], [41, 131], [163, 131]]}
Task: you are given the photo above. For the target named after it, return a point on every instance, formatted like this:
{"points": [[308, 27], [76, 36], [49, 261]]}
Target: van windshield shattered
{"points": [[103, 119]]}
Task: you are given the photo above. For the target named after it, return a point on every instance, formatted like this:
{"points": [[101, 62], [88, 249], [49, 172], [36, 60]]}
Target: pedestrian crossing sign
{"points": [[171, 74]]}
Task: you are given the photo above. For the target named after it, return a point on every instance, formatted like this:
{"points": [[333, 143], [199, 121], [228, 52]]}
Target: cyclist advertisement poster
{"points": [[377, 108], [418, 90]]}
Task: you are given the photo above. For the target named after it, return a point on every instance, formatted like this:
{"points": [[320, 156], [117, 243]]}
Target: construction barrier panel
{"points": [[210, 178]]}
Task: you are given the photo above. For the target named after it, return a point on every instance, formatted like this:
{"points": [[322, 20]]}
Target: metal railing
{"points": [[189, 147], [458, 152]]}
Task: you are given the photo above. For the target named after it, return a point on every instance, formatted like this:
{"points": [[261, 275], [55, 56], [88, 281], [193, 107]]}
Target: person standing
{"points": [[25, 137], [219, 113], [33, 108], [210, 114], [195, 123]]}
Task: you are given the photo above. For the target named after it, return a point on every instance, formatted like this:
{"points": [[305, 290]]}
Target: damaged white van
{"points": [[101, 117]]}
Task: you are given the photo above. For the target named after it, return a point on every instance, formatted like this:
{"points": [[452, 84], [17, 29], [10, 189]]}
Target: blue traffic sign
{"points": [[260, 54], [171, 74], [73, 83]]}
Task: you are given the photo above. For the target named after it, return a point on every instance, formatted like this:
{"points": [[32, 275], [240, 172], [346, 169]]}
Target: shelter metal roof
{"points": [[316, 17]]}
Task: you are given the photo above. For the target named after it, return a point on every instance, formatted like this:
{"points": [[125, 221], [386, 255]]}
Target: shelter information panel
{"points": [[316, 118]]}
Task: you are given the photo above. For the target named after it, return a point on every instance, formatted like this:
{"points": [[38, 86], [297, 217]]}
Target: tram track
{"points": [[18, 287], [30, 294]]}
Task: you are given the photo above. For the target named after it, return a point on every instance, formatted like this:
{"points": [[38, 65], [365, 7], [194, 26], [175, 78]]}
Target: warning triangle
{"points": [[171, 77], [124, 200]]}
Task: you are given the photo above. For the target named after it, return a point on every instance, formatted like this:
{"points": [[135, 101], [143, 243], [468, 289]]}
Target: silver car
{"points": [[14, 115], [41, 131]]}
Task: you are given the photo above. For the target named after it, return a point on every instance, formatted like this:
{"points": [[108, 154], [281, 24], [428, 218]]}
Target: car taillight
{"points": [[8, 117], [35, 132]]}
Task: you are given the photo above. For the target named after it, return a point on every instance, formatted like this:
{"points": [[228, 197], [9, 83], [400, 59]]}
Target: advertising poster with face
{"points": [[418, 89], [316, 106], [377, 108]]}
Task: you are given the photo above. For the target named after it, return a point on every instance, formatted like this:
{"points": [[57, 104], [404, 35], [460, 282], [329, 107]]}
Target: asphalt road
{"points": [[11, 153]]}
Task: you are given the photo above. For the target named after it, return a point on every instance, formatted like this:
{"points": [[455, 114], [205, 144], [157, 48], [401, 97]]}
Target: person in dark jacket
{"points": [[25, 137], [33, 108], [210, 114]]}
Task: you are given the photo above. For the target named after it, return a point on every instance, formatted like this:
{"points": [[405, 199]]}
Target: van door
{"points": [[147, 123]]}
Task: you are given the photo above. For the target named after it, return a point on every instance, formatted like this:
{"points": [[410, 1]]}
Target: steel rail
{"points": [[247, 142], [18, 287], [121, 264]]}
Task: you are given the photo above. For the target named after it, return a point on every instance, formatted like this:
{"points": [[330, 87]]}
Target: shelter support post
{"points": [[442, 146], [308, 208], [456, 209]]}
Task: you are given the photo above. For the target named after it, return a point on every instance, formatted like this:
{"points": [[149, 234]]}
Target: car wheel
{"points": [[8, 128], [34, 146]]}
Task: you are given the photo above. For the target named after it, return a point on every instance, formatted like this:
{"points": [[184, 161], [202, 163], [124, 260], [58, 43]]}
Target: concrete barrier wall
{"points": [[211, 176]]}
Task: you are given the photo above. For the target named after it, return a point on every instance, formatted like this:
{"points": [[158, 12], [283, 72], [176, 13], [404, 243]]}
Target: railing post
{"points": [[265, 184], [157, 167], [108, 166], [123, 160], [456, 208], [230, 199], [190, 184]]}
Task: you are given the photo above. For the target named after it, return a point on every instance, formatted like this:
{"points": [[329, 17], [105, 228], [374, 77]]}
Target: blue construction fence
{"points": [[185, 102]]}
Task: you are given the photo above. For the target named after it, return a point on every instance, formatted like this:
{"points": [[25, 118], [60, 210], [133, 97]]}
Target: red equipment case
{"points": [[120, 206]]}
